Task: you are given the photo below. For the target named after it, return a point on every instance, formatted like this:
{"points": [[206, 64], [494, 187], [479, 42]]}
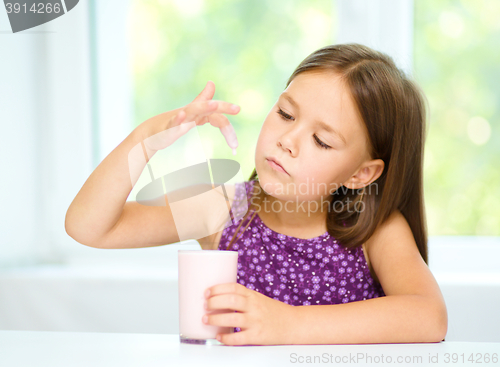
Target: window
{"points": [[138, 58], [456, 63]]}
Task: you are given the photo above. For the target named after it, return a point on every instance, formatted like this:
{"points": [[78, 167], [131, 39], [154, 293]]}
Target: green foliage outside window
{"points": [[457, 63], [247, 48]]}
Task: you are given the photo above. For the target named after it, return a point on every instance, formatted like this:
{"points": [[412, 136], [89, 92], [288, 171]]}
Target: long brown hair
{"points": [[393, 109]]}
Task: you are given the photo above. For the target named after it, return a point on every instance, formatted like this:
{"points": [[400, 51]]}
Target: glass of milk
{"points": [[199, 270]]}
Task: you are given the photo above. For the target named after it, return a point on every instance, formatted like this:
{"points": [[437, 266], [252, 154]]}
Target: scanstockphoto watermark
{"points": [[32, 13], [309, 207], [354, 358], [325, 203], [460, 358], [309, 187]]}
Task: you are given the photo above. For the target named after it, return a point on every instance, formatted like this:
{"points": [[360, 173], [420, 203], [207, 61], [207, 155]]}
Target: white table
{"points": [[66, 349]]}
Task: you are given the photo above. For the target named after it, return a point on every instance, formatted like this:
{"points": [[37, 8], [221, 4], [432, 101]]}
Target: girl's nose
{"points": [[284, 146], [291, 138]]}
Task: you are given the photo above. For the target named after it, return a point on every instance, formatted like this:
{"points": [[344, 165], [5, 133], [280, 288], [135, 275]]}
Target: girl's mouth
{"points": [[276, 166]]}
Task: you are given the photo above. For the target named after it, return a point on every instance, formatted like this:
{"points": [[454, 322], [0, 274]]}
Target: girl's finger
{"points": [[226, 129], [239, 338], [207, 93], [226, 107], [222, 122], [195, 110], [223, 288], [234, 302], [230, 135], [227, 319], [217, 120]]}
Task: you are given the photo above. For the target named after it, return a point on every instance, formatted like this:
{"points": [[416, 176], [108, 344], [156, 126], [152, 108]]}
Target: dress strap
{"points": [[244, 229]]}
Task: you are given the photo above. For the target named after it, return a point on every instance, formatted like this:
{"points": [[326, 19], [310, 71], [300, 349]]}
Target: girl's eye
{"points": [[320, 143], [286, 116]]}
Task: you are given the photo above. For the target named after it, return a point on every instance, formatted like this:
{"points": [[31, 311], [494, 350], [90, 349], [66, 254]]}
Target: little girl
{"points": [[333, 246]]}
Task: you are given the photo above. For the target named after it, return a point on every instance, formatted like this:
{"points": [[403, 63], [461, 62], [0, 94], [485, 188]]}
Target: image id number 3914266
{"points": [[472, 358], [40, 8]]}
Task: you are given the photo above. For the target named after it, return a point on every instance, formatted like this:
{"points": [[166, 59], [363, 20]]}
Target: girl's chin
{"points": [[272, 187]]}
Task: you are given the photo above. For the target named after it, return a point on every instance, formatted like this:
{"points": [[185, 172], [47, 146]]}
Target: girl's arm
{"points": [[413, 309], [101, 201], [100, 216]]}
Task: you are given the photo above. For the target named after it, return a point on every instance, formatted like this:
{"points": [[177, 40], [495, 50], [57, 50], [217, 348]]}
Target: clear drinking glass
{"points": [[199, 270]]}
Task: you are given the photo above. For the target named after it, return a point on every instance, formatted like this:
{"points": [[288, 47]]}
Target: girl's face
{"points": [[317, 135]]}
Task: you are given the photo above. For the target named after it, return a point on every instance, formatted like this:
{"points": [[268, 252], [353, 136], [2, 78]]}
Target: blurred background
{"points": [[71, 90]]}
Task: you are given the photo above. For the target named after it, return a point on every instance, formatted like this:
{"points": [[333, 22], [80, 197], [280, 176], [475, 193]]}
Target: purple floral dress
{"points": [[315, 271]]}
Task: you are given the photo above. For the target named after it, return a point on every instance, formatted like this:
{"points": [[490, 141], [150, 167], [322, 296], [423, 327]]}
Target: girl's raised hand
{"points": [[262, 320], [164, 129]]}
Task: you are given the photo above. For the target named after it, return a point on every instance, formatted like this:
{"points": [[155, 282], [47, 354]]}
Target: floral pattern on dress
{"points": [[298, 272]]}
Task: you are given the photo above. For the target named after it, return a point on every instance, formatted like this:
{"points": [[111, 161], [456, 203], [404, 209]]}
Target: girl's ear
{"points": [[366, 174]]}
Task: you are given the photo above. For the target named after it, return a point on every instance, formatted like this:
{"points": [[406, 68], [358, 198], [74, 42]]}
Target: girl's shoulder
{"points": [[395, 221], [391, 236], [371, 248]]}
